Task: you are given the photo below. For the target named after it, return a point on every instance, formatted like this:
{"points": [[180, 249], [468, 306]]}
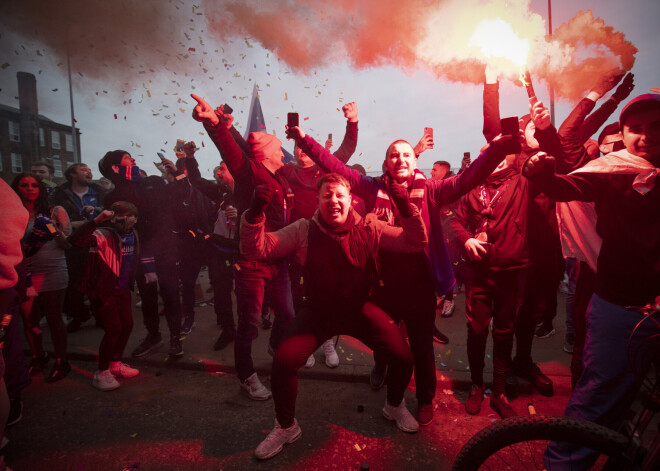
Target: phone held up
{"points": [[509, 126], [292, 120]]}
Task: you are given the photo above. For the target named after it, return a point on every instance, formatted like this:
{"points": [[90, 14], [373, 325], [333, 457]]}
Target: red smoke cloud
{"points": [[129, 42], [422, 34]]}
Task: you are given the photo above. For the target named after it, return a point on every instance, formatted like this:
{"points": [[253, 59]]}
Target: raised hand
{"points": [[203, 112], [351, 111], [540, 115]]}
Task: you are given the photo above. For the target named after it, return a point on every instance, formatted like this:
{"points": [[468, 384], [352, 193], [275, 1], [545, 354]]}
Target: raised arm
{"points": [[361, 186], [349, 144], [491, 105], [445, 191], [230, 152], [540, 170], [594, 122]]}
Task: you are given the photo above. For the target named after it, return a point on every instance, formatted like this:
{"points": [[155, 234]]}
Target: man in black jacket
{"points": [[153, 198]]}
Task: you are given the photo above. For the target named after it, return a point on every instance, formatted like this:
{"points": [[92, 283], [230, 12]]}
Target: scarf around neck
{"points": [[126, 173], [623, 162], [351, 235], [385, 209]]}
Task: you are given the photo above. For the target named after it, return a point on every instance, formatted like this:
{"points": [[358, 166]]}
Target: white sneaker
{"points": [[104, 381], [311, 361], [254, 389], [276, 439], [122, 370], [331, 357], [404, 419], [447, 308]]}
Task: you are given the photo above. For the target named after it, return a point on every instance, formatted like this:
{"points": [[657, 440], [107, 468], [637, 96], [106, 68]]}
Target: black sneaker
{"points": [[37, 363], [531, 372], [500, 404], [439, 337], [545, 331], [473, 401], [60, 370], [148, 344], [188, 323], [226, 337], [15, 411], [377, 376], [176, 348]]}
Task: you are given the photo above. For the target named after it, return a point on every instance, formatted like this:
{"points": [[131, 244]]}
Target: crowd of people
{"points": [[333, 251]]}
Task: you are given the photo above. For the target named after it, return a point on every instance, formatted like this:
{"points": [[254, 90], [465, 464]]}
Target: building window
{"points": [[14, 131], [55, 138], [42, 137], [16, 163], [57, 165], [69, 142]]}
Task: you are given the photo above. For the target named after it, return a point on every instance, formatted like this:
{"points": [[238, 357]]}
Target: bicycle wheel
{"points": [[518, 443]]}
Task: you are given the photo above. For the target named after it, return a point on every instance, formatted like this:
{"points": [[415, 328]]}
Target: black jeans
{"points": [[496, 295], [168, 282], [414, 304], [221, 274], [309, 330]]}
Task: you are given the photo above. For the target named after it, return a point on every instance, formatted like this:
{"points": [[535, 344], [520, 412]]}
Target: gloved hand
{"points": [[625, 88], [539, 163], [262, 196], [399, 194]]}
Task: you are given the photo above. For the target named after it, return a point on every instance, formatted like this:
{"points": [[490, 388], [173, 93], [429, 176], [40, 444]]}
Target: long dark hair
{"points": [[41, 204]]}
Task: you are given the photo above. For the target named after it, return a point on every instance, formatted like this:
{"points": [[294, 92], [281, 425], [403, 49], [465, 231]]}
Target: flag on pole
{"points": [[257, 123]]}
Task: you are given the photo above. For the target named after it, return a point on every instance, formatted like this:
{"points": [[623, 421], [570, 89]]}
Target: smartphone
{"points": [[51, 228], [509, 126], [179, 145], [226, 109], [160, 154], [429, 132], [330, 136], [466, 156], [292, 119]]}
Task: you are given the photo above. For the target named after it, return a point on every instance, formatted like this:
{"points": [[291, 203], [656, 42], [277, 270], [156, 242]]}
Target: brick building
{"points": [[26, 136]]}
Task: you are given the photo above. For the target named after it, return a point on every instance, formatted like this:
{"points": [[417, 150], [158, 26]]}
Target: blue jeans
{"points": [[608, 383], [253, 279]]}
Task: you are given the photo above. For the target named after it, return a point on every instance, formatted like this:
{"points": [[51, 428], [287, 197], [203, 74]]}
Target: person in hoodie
{"points": [[337, 249], [154, 200], [624, 186], [114, 253]]}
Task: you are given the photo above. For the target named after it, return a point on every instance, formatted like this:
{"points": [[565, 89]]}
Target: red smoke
{"points": [[311, 34], [610, 54], [130, 42]]}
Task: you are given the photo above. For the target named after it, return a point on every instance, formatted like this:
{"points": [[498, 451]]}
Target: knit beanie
{"points": [[109, 159], [262, 145]]}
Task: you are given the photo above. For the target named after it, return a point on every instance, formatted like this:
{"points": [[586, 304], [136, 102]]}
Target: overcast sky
{"points": [[152, 105]]}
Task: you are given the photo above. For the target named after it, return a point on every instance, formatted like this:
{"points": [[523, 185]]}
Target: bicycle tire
{"points": [[503, 434]]}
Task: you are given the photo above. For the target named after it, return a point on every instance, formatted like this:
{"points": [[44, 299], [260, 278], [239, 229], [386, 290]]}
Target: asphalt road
{"points": [[190, 414]]}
